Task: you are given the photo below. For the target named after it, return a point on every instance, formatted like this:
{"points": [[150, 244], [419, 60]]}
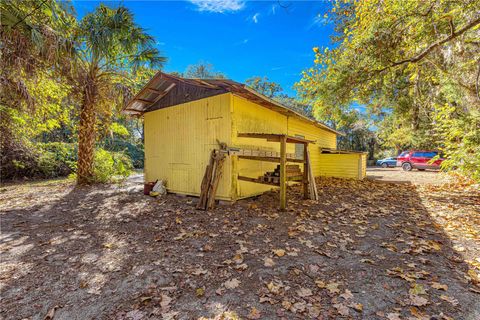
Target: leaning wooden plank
{"points": [[306, 175], [217, 175], [314, 194], [202, 201], [283, 175]]}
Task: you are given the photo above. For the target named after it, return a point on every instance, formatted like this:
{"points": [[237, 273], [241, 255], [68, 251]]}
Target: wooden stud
{"points": [[283, 175], [305, 172]]}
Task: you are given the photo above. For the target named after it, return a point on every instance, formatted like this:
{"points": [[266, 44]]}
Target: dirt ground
{"points": [[365, 250], [415, 176]]}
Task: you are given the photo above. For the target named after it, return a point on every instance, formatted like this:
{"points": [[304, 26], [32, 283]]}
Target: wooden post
{"points": [[283, 172], [305, 172]]}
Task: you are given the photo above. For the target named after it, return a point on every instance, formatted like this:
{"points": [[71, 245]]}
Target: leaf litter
{"points": [[364, 250]]}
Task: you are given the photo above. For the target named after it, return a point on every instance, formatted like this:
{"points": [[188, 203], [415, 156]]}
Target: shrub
{"points": [[134, 151], [56, 159], [111, 166]]}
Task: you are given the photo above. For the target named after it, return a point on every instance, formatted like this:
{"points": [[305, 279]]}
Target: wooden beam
{"points": [[268, 159], [145, 101], [283, 173], [160, 96], [305, 172], [273, 137], [154, 90], [257, 181]]}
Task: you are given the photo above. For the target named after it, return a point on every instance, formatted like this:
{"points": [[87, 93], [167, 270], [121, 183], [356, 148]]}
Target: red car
{"points": [[418, 159]]}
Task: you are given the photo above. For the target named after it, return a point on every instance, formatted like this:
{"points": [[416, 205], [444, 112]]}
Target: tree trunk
{"points": [[86, 135]]}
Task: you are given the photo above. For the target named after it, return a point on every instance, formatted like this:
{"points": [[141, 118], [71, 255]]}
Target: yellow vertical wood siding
{"points": [[178, 141], [322, 138], [342, 165], [251, 117]]}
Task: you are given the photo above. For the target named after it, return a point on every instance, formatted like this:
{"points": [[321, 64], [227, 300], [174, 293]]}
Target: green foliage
{"points": [[133, 150], [407, 62], [201, 70], [51, 66], [111, 166], [268, 88]]}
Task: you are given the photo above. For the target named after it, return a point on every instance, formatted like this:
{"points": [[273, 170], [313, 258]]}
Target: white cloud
{"points": [[219, 6], [273, 9], [244, 41], [255, 17]]}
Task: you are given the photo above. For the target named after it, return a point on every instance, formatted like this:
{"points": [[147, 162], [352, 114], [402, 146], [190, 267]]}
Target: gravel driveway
{"points": [[400, 176]]}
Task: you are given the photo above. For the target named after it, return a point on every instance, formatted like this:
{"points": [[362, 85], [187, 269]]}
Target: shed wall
{"points": [[251, 117], [322, 138], [179, 139], [342, 165]]}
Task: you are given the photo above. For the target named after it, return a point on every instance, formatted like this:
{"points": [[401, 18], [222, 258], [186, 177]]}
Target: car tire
{"points": [[384, 165], [407, 166]]}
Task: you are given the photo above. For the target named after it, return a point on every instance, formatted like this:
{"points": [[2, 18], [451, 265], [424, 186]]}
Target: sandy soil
{"points": [[365, 250]]}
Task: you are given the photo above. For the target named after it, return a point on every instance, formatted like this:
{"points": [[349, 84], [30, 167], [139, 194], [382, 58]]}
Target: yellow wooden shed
{"points": [[185, 119]]}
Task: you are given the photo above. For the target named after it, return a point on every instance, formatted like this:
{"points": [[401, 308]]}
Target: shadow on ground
{"points": [[361, 251]]}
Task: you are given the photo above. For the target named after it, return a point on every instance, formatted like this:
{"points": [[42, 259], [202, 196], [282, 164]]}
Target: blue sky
{"points": [[239, 38]]}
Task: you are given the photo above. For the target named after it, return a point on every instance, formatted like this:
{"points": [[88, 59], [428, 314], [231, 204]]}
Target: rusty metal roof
{"points": [[165, 90]]}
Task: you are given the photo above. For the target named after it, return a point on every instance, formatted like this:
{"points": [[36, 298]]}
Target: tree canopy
{"points": [[414, 65]]}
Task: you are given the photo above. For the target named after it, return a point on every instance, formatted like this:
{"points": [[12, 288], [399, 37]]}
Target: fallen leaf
{"points": [[417, 301], [347, 295], [417, 289], [268, 262], [321, 284], [393, 316], [254, 314], [304, 292], [286, 304], [333, 287], [200, 292], [439, 286], [453, 301], [51, 313], [231, 284], [356, 306], [279, 252], [273, 288], [298, 307], [165, 302], [342, 309], [473, 276]]}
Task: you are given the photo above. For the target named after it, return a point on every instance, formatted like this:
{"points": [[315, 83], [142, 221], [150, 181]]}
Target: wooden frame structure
{"points": [[309, 188]]}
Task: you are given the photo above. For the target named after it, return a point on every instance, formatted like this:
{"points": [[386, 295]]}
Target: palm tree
{"points": [[109, 44]]}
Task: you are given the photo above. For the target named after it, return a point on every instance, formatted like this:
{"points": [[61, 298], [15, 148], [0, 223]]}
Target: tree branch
{"points": [[434, 45], [477, 85]]}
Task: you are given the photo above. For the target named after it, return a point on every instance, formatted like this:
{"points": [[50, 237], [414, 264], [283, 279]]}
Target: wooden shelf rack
{"points": [[309, 188]]}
